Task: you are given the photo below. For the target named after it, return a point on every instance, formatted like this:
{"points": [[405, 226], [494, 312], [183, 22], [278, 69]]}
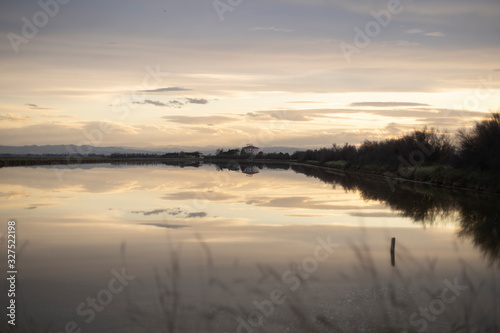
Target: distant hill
{"points": [[69, 149], [87, 149]]}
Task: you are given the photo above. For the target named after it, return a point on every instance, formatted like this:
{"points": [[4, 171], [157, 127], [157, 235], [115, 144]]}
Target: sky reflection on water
{"points": [[73, 231]]}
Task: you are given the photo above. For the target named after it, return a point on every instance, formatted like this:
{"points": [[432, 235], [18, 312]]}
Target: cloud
{"points": [[197, 100], [35, 206], [271, 29], [48, 115], [422, 32], [414, 31], [177, 211], [167, 89], [14, 195], [194, 215], [202, 120], [200, 195], [374, 214], [13, 117], [174, 103], [306, 215], [298, 203], [290, 115], [418, 111], [168, 226], [435, 34], [36, 107], [169, 211], [387, 104], [170, 104], [155, 103]]}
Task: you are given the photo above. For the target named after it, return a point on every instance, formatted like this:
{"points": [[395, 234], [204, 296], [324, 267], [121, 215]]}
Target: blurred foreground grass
{"points": [[386, 305]]}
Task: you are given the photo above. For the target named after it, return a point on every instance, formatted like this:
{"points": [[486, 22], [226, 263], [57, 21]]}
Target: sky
{"points": [[224, 73]]}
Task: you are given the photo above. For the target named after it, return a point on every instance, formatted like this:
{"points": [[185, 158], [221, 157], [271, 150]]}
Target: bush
{"points": [[480, 147]]}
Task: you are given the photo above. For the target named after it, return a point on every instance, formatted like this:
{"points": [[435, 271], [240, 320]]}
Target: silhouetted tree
{"points": [[480, 147]]}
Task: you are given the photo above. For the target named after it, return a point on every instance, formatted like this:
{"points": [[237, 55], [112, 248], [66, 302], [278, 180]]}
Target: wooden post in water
{"points": [[393, 248]]}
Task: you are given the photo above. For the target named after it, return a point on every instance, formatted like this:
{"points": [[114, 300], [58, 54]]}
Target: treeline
{"points": [[420, 147], [237, 154], [181, 154], [478, 148]]}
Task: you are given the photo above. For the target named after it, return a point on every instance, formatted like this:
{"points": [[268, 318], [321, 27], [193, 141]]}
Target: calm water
{"points": [[162, 248]]}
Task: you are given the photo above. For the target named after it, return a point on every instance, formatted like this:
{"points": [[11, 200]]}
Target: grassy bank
{"points": [[441, 175]]}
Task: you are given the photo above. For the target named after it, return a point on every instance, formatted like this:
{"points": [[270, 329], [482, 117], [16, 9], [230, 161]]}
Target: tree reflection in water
{"points": [[477, 214]]}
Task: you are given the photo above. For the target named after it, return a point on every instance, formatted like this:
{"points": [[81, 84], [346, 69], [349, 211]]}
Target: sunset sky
{"points": [[298, 73]]}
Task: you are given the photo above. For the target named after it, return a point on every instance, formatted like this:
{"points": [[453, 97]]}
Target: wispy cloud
{"points": [[155, 103], [13, 195], [197, 120], [422, 32], [387, 104], [435, 34], [48, 115], [374, 214], [35, 206], [420, 111], [169, 104], [169, 211], [174, 103], [306, 215], [298, 203], [37, 107], [167, 226], [13, 117], [414, 31], [177, 212], [167, 89], [189, 195], [289, 115]]}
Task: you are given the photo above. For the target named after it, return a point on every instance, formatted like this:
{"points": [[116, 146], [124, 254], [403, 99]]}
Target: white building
{"points": [[250, 150]]}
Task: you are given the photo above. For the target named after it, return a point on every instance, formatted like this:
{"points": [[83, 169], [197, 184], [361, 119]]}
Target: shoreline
{"points": [[439, 179]]}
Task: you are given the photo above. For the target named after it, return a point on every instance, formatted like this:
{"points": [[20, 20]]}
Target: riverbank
{"points": [[445, 176], [13, 161]]}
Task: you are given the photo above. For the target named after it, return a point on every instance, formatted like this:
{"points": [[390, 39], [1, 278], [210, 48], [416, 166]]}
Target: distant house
{"points": [[250, 150], [250, 170]]}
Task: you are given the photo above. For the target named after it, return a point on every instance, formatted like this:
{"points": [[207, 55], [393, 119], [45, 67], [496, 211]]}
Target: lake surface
{"points": [[245, 248]]}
